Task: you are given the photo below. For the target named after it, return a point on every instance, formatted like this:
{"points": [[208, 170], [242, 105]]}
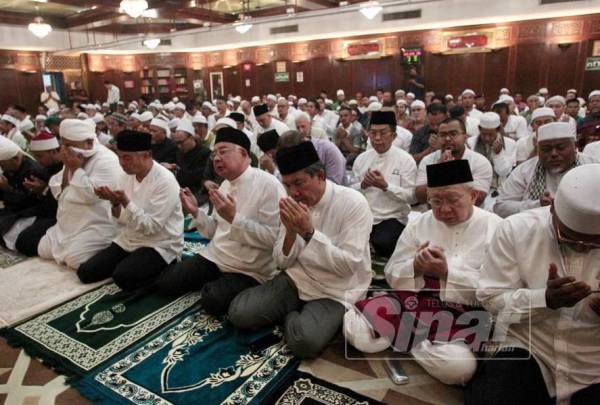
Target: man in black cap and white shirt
{"points": [[146, 204], [386, 176], [243, 228], [541, 273], [323, 246], [266, 121]]}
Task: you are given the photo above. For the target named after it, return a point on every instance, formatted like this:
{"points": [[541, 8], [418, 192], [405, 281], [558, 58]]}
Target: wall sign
{"points": [[468, 42], [299, 77], [353, 50], [592, 63], [282, 77], [280, 67]]}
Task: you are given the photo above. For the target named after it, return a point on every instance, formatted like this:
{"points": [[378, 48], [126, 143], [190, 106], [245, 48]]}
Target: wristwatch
{"points": [[308, 235]]}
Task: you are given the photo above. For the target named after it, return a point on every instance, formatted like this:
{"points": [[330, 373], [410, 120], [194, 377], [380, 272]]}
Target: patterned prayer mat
{"points": [[306, 389], [34, 285], [9, 258], [202, 359], [83, 333]]}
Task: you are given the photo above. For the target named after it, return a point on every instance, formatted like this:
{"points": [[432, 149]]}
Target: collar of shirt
{"points": [[325, 198], [235, 183]]}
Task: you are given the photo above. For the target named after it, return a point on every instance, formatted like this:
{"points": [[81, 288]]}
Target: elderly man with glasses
{"points": [[243, 229], [542, 273]]}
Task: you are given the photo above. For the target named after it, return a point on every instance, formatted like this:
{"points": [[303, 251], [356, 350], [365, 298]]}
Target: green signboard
{"points": [[282, 77], [592, 63]]}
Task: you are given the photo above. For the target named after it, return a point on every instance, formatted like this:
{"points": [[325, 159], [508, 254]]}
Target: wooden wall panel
{"points": [[529, 68], [10, 88], [591, 79], [496, 73], [30, 87], [561, 68], [465, 71], [435, 73]]}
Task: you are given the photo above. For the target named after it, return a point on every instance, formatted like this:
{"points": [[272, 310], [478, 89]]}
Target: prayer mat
{"points": [[34, 286], [202, 359], [193, 241], [83, 333], [9, 258], [306, 389]]}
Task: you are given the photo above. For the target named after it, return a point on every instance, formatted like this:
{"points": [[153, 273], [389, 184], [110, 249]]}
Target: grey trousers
{"points": [[308, 326]]}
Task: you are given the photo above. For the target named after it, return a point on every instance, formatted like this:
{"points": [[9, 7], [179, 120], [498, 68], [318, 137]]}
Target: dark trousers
{"points": [[194, 273], [509, 379], [28, 240], [129, 270], [308, 327], [384, 236]]}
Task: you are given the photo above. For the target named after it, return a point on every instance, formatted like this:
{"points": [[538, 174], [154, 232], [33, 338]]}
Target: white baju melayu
{"points": [[593, 150], [246, 245], [277, 125], [525, 147], [516, 127], [113, 95], [514, 193], [84, 223], [289, 121], [472, 126], [336, 262], [564, 342], [475, 113], [400, 171], [153, 217], [17, 137], [481, 169]]}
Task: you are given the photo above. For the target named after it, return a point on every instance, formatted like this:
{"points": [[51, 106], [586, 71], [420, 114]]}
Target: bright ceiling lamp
{"points": [[151, 42], [370, 9], [134, 8], [39, 28], [242, 25]]}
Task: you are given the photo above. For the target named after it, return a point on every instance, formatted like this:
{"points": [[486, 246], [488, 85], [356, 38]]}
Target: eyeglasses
{"points": [[578, 243], [450, 201], [221, 152]]}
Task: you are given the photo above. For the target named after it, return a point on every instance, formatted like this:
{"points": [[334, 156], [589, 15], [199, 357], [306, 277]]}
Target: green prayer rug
{"points": [[202, 359], [306, 389], [9, 258], [81, 334]]}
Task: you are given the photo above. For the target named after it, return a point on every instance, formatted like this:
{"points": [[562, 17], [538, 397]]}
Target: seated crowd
{"points": [[477, 208]]}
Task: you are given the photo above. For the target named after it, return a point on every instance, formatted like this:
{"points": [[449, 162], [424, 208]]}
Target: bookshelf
{"points": [[147, 83], [181, 85]]}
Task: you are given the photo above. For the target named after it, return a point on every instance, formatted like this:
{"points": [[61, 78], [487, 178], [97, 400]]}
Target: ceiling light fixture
{"points": [[151, 42], [39, 28], [134, 8], [370, 9], [243, 25], [290, 11]]}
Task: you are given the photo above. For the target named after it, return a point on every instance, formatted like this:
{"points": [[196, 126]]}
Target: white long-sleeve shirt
{"points": [[593, 150], [400, 172], [503, 162], [516, 127], [82, 217], [17, 137], [153, 217], [246, 245], [514, 196], [336, 262], [481, 169], [513, 279], [465, 247], [113, 94], [277, 125]]}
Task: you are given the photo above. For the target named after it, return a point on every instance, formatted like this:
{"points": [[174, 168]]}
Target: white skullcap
{"points": [[44, 141], [374, 106], [105, 105], [255, 99], [340, 92], [207, 104], [449, 97], [542, 112], [8, 149], [175, 99], [237, 99], [353, 102], [543, 90], [328, 101], [134, 102], [199, 119], [146, 116], [180, 106], [82, 116], [271, 97], [373, 98], [156, 105], [88, 106], [174, 123], [135, 115], [468, 91], [504, 90], [76, 130], [227, 122], [594, 94], [98, 118], [11, 119], [302, 100], [410, 94], [417, 103], [400, 93], [169, 106], [52, 111], [401, 102], [555, 130], [282, 99], [229, 103], [186, 126], [542, 100], [90, 122], [505, 98], [290, 103], [98, 107], [26, 125], [121, 103], [576, 200], [40, 117], [559, 99], [571, 91], [132, 106], [489, 120], [164, 125]]}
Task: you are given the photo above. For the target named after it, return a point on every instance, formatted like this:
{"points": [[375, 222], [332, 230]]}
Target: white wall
{"points": [[340, 22]]}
